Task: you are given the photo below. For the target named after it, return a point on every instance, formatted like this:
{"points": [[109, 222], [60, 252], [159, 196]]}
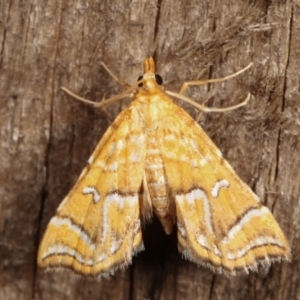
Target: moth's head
{"points": [[150, 79]]}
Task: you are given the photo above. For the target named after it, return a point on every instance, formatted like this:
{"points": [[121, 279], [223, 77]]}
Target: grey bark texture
{"points": [[46, 137]]}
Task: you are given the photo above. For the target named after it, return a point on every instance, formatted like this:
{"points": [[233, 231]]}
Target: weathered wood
{"points": [[46, 137]]}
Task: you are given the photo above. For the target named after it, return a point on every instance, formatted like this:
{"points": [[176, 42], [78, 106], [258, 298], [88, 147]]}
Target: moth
{"points": [[156, 159]]}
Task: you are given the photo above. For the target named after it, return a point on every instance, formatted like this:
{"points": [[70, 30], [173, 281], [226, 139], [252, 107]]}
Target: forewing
{"points": [[221, 222], [96, 228]]}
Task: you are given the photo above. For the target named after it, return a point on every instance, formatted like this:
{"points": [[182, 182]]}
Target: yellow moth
{"points": [[154, 158]]}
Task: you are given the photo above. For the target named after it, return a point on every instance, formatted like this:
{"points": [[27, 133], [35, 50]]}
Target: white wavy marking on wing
{"points": [[59, 249], [58, 222], [92, 190], [120, 200], [255, 212], [260, 241], [217, 187], [198, 194]]}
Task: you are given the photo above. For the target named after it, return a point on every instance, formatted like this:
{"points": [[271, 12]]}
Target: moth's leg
{"points": [[103, 102], [112, 75], [206, 81], [205, 108], [209, 95], [108, 116]]}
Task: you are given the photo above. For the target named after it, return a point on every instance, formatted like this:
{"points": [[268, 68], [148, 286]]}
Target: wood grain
{"points": [[46, 137]]}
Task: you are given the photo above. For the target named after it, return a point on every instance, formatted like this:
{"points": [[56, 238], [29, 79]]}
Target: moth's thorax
{"points": [[152, 105]]}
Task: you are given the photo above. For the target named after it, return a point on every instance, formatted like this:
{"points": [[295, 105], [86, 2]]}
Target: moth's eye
{"points": [[158, 79], [141, 77]]}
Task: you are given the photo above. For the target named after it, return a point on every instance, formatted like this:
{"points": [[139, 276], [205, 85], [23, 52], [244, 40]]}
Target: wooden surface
{"points": [[46, 137]]}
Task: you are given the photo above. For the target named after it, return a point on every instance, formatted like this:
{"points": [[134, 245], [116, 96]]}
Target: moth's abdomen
{"points": [[163, 205]]}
